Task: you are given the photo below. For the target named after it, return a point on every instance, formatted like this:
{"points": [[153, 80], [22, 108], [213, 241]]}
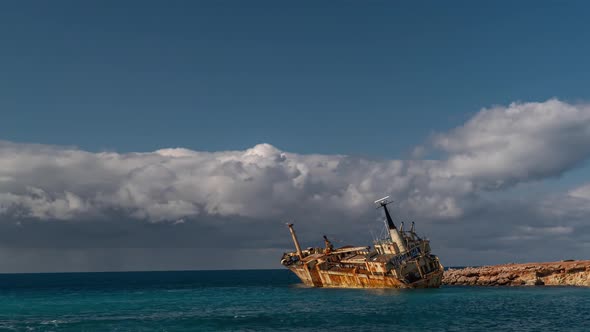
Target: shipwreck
{"points": [[401, 260]]}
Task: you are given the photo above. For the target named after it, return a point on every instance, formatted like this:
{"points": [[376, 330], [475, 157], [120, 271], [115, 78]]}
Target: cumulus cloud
{"points": [[47, 182], [501, 146], [166, 185], [496, 149]]}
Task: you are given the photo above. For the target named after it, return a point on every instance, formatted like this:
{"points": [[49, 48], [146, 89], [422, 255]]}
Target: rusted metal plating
{"points": [[401, 261]]}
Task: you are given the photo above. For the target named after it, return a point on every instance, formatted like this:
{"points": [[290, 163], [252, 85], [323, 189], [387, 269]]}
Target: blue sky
{"points": [[358, 78]]}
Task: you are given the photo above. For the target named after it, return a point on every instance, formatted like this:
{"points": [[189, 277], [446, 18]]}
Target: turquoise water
{"points": [[273, 300]]}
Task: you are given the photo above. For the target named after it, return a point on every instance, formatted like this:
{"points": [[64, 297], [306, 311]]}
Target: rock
{"points": [[564, 273]]}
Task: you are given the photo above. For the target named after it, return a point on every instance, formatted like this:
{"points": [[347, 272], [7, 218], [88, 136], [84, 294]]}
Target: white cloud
{"points": [[498, 147], [501, 146], [582, 192]]}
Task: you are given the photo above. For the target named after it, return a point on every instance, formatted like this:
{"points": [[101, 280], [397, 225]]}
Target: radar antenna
{"points": [[383, 201]]}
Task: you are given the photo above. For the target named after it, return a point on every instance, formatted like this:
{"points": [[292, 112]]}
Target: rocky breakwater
{"points": [[564, 273]]}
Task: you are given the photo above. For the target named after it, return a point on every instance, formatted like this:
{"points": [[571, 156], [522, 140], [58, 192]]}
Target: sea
{"points": [[273, 300]]}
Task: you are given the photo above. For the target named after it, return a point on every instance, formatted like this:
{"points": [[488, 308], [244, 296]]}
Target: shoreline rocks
{"points": [[564, 273]]}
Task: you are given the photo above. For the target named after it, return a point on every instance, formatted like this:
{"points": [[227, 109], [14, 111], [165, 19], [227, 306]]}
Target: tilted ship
{"points": [[402, 260]]}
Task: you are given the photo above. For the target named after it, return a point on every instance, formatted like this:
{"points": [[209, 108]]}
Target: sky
{"points": [[151, 135]]}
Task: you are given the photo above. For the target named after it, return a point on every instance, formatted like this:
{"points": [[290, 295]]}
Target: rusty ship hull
{"points": [[362, 279], [401, 260]]}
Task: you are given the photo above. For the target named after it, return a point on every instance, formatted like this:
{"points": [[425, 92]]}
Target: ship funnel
{"points": [[294, 236], [412, 229], [393, 232], [401, 227]]}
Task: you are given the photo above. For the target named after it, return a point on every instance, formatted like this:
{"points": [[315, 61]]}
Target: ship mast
{"points": [[299, 253], [393, 232]]}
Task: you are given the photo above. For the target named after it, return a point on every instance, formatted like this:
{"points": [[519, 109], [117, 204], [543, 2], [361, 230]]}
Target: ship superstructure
{"points": [[401, 260]]}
